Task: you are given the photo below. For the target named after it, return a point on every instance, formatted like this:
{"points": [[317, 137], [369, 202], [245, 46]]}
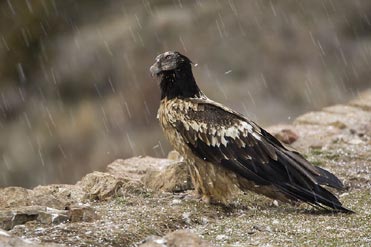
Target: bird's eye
{"points": [[167, 57]]}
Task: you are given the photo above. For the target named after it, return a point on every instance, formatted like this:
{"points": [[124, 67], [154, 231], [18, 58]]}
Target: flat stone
{"points": [[82, 213], [285, 133], [14, 196], [340, 116], [322, 118], [19, 216], [53, 216], [183, 238], [175, 177], [135, 168], [342, 109], [311, 136], [7, 240], [57, 196], [100, 185], [179, 238]]}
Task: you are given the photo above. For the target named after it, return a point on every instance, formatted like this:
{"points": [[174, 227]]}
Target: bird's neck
{"points": [[179, 84]]}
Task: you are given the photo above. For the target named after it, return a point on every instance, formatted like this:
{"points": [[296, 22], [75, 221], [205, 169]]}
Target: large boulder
{"points": [[171, 175]]}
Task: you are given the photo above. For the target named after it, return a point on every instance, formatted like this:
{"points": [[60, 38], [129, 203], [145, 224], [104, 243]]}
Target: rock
{"points": [[175, 177], [7, 240], [52, 216], [135, 168], [336, 122], [284, 133], [19, 216], [340, 116], [82, 213], [314, 137], [47, 218], [153, 241], [100, 186], [44, 215], [363, 102], [6, 220], [14, 196], [57, 196], [322, 118], [157, 174], [179, 238], [287, 136]]}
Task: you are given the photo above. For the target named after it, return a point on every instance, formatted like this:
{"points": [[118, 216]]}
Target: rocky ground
{"points": [[145, 201]]}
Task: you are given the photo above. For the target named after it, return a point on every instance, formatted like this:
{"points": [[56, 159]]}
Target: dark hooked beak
{"points": [[155, 69]]}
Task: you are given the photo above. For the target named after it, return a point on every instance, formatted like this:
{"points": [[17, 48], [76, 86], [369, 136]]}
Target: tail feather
{"points": [[329, 179], [306, 185], [319, 196], [321, 175]]}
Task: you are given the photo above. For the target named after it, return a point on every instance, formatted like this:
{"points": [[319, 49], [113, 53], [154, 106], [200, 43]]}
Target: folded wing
{"points": [[221, 136]]}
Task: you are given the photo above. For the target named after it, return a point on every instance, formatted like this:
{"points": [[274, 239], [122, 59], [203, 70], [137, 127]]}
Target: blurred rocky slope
{"points": [[139, 199], [75, 92]]}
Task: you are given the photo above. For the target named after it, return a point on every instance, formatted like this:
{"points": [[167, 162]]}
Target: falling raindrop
{"points": [[131, 144], [219, 29], [25, 37], [111, 85], [97, 90], [273, 8], [127, 109], [161, 148], [251, 97], [27, 120], [6, 162], [108, 48], [21, 74], [263, 80], [5, 43], [11, 7], [105, 121], [182, 42], [180, 4], [233, 7], [41, 157], [138, 21], [29, 6], [50, 116]]}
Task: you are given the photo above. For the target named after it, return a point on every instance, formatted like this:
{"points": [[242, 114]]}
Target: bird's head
{"points": [[170, 62], [174, 71]]}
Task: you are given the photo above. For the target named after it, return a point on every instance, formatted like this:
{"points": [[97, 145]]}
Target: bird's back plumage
{"points": [[237, 152]]}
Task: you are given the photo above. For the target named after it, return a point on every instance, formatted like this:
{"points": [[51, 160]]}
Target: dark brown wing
{"points": [[218, 135]]}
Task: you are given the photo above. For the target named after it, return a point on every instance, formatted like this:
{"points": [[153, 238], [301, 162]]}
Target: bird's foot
{"points": [[206, 199]]}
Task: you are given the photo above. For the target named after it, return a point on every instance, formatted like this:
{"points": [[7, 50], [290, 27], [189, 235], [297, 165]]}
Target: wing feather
{"points": [[224, 137]]}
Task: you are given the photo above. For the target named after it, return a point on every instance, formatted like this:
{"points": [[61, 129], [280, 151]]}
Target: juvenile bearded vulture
{"points": [[225, 150]]}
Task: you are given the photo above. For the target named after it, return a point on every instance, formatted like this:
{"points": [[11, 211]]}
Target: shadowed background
{"points": [[76, 93]]}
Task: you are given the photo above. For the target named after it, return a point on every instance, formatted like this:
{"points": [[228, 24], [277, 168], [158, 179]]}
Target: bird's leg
{"points": [[198, 184], [206, 199], [192, 172]]}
